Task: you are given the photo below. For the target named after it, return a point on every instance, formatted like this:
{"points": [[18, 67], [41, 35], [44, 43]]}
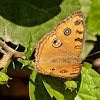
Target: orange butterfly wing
{"points": [[57, 52], [74, 41]]}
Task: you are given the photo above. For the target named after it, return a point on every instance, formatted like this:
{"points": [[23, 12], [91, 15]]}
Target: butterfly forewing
{"points": [[74, 39]]}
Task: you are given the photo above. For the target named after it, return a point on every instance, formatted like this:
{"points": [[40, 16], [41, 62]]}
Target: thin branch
{"points": [[2, 51], [5, 59], [18, 54], [6, 47], [8, 53]]}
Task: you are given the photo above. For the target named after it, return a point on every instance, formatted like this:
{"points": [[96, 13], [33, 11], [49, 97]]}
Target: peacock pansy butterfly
{"points": [[57, 52]]}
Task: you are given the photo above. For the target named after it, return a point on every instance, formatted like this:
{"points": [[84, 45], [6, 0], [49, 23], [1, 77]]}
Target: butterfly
{"points": [[57, 53]]}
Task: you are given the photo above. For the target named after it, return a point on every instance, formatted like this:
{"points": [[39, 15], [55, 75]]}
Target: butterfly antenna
{"points": [[94, 53]]}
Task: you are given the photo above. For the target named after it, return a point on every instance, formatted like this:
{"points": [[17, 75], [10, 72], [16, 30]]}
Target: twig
{"points": [[5, 59], [8, 53], [2, 51], [18, 54], [6, 47]]}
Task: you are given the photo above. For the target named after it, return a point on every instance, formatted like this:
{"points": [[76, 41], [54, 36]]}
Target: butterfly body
{"points": [[57, 52]]}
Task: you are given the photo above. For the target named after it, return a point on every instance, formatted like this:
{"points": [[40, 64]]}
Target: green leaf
{"points": [[56, 88], [37, 90], [32, 85], [27, 63], [87, 65], [71, 85], [87, 87], [4, 78], [93, 22], [90, 40], [90, 36], [53, 87], [85, 7], [96, 79], [4, 70], [29, 48], [89, 45]]}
